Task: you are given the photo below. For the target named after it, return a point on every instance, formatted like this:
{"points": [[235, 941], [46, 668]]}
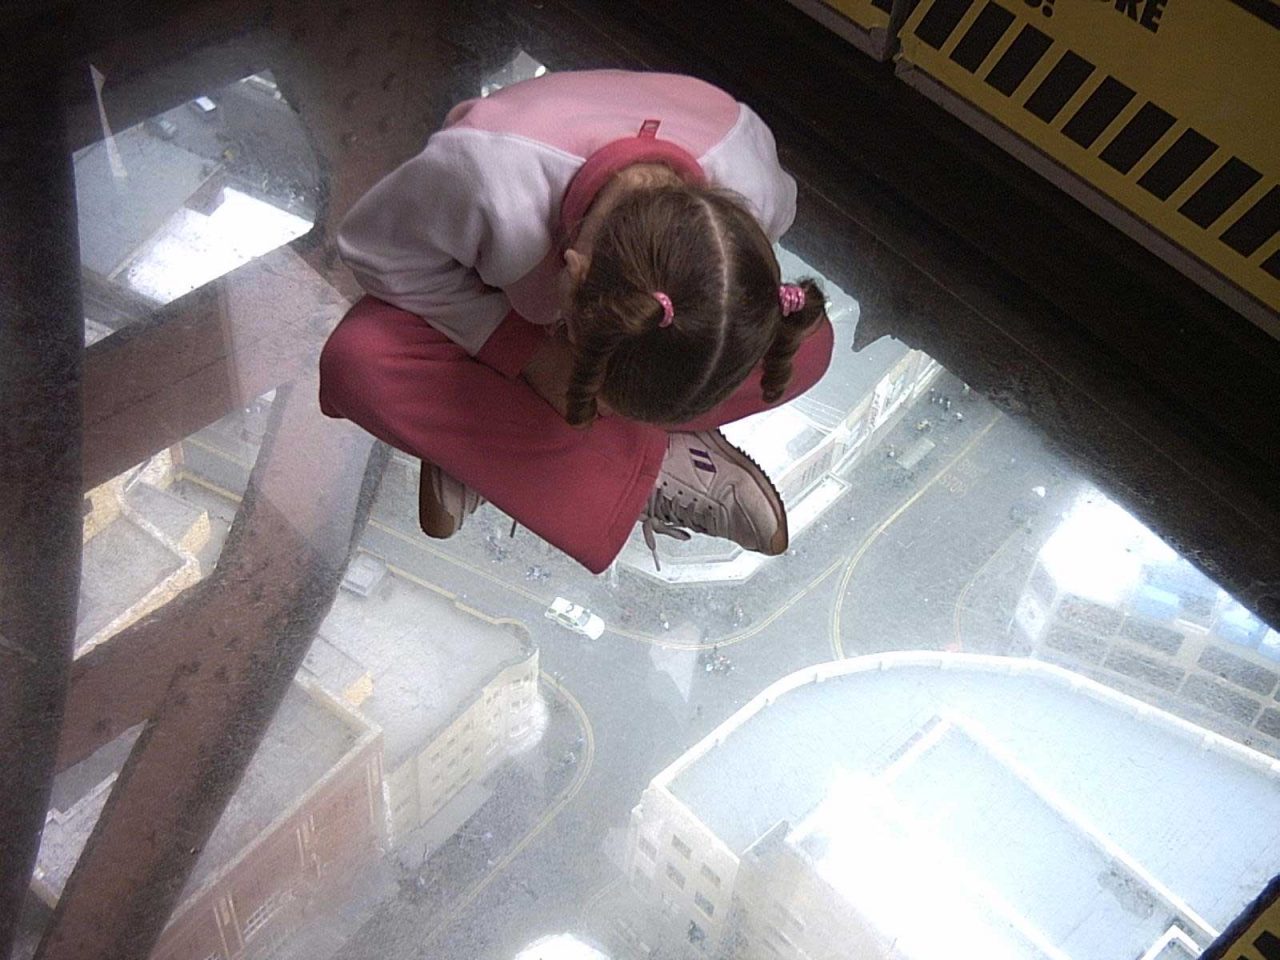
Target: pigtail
{"points": [[600, 331], [792, 330]]}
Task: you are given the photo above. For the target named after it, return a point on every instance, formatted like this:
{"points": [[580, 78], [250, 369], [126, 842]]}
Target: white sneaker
{"points": [[707, 485]]}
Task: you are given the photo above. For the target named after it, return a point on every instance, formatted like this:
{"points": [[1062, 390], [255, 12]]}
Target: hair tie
{"points": [[791, 297], [668, 311]]}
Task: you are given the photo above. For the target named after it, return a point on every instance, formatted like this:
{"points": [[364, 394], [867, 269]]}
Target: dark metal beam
{"points": [[200, 357], [249, 628], [41, 345]]}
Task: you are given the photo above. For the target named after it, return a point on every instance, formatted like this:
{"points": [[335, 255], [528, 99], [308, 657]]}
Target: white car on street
{"points": [[576, 618]]}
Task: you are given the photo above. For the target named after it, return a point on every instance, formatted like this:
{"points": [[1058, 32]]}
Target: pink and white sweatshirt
{"points": [[469, 233]]}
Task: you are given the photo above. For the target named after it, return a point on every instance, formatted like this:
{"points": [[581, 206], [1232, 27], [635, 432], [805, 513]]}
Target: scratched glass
{"points": [[967, 692]]}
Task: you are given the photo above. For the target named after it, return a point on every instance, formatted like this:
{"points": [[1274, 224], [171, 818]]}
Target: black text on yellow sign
{"points": [[1165, 107]]}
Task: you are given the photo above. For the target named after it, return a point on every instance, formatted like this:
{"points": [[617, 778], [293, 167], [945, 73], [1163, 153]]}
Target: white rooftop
{"points": [[1078, 806], [427, 658]]}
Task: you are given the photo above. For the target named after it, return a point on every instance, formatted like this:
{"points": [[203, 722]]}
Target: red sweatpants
{"points": [[580, 489]]}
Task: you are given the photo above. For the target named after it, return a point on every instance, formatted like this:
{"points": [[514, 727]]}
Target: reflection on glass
{"points": [[520, 67], [1102, 577], [187, 196], [978, 709], [563, 946]]}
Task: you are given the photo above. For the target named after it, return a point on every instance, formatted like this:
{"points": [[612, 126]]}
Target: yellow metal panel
{"points": [[1194, 150], [861, 12]]}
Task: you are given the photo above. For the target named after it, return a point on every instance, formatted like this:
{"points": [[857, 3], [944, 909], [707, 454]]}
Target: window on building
{"points": [[684, 849], [647, 848], [710, 875], [675, 876], [259, 917], [703, 904]]}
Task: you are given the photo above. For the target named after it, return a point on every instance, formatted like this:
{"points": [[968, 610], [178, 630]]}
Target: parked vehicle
{"points": [[203, 106], [576, 618]]}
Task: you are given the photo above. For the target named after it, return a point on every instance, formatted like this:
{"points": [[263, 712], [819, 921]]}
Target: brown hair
{"points": [[703, 249]]}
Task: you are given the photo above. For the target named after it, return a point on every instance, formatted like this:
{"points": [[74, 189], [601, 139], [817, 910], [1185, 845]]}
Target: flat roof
{"points": [[1204, 822], [427, 656], [120, 565]]}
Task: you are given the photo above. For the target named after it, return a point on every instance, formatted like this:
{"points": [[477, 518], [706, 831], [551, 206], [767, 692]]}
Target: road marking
{"points": [[653, 640], [837, 644], [964, 594], [421, 543], [588, 758], [732, 638]]}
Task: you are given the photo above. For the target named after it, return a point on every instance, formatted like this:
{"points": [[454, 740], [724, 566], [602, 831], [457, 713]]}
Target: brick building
{"points": [[386, 736], [308, 814]]}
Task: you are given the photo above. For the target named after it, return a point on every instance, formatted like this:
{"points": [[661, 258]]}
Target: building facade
{"points": [[1139, 617], [386, 736], [901, 805]]}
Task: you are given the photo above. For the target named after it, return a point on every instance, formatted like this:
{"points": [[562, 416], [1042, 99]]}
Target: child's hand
{"points": [[549, 371]]}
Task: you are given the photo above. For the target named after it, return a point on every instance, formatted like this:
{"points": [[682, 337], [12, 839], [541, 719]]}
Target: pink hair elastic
{"points": [[791, 297], [668, 311]]}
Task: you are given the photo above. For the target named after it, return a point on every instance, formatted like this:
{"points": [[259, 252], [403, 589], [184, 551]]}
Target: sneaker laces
{"points": [[672, 517]]}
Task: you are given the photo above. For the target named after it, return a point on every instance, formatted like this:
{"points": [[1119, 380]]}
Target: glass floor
{"points": [[979, 700]]}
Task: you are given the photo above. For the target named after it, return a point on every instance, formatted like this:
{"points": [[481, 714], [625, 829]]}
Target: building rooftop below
{"points": [[954, 827], [1047, 786], [120, 566], [426, 655]]}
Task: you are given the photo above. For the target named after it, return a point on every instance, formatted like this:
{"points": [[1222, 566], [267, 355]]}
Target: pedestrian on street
{"points": [[570, 289]]}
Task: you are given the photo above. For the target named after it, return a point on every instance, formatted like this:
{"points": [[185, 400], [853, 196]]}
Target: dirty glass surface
{"points": [[975, 689]]}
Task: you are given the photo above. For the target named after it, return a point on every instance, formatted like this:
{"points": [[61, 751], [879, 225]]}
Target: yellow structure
{"points": [[1158, 114]]}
